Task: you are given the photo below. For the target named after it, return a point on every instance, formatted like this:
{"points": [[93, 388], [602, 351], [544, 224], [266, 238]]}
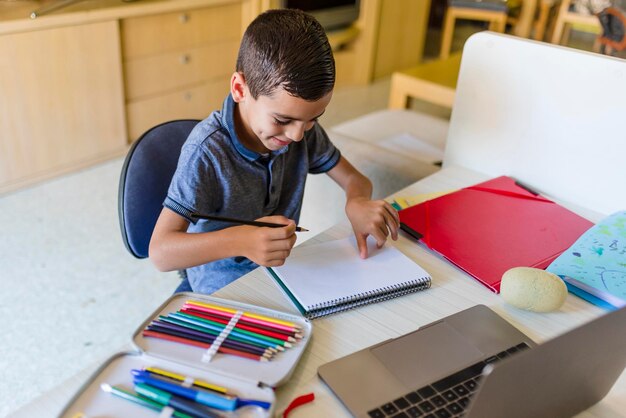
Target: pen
{"points": [[202, 384], [244, 222], [227, 403], [176, 402], [199, 396], [181, 378], [124, 394]]}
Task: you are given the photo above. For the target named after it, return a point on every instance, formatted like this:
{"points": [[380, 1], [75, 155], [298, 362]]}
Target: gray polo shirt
{"points": [[217, 175]]}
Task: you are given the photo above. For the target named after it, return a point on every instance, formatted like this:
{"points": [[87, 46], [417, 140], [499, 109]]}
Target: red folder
{"points": [[493, 226]]}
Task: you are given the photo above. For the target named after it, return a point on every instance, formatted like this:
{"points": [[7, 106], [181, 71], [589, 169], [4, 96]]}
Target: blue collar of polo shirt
{"points": [[228, 120]]}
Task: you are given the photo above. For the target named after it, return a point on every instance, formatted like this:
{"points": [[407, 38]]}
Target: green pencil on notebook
{"points": [[243, 222]]}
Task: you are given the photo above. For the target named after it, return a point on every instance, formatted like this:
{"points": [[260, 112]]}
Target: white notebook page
{"points": [[332, 270]]}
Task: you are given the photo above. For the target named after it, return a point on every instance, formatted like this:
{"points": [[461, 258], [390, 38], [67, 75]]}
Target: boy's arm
{"points": [[368, 217], [173, 248]]}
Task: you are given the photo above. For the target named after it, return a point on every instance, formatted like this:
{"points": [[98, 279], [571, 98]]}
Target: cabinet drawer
{"points": [[192, 103], [166, 72], [61, 101], [148, 35]]}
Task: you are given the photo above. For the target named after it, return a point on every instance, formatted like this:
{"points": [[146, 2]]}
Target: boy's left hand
{"points": [[372, 217]]}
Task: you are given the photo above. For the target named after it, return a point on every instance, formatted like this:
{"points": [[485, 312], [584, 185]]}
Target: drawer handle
{"points": [[183, 18], [188, 96], [185, 58]]}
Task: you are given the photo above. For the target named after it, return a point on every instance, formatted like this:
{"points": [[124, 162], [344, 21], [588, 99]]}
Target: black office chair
{"points": [[145, 178]]}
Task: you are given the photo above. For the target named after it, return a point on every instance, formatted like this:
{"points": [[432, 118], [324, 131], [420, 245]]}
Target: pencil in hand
{"points": [[244, 222]]}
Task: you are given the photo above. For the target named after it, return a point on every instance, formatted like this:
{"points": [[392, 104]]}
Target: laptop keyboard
{"points": [[445, 398]]}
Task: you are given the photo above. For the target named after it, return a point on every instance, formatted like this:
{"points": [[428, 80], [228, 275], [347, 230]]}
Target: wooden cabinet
{"points": [[177, 65], [401, 35], [78, 85], [61, 101], [81, 83], [388, 36]]}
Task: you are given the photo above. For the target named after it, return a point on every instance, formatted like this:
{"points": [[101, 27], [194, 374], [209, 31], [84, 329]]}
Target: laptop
{"points": [[475, 364]]}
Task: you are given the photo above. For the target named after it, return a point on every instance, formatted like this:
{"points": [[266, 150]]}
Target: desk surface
{"points": [[343, 333]]}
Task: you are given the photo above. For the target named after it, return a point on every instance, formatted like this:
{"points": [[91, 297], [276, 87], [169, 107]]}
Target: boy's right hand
{"points": [[268, 247]]}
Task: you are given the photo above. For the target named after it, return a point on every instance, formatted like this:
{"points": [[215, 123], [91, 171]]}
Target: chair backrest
{"points": [[145, 179], [550, 116]]}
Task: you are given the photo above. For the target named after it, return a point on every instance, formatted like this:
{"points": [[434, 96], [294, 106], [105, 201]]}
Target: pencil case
{"points": [[243, 377]]}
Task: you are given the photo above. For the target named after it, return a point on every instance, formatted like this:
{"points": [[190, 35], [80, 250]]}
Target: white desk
{"points": [[340, 334]]}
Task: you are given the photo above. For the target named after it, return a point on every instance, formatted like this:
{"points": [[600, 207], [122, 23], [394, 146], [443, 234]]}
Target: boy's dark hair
{"points": [[287, 48]]}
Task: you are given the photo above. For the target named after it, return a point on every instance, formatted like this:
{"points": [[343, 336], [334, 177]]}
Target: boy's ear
{"points": [[238, 88]]}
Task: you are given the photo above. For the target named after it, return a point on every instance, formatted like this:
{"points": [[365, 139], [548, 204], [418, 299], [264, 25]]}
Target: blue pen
{"points": [[178, 403], [174, 378], [206, 398]]}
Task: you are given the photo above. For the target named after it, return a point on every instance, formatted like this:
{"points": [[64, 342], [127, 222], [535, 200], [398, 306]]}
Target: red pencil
{"points": [[239, 325], [178, 331], [242, 320], [224, 350], [275, 323]]}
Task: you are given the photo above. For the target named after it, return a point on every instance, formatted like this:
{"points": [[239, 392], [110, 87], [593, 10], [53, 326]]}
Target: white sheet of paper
{"points": [[333, 270]]}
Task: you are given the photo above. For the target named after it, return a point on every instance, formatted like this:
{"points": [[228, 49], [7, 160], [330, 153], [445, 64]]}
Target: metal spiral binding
{"points": [[366, 298]]}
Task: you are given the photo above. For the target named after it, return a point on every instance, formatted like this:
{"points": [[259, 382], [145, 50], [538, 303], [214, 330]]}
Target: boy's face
{"points": [[269, 123]]}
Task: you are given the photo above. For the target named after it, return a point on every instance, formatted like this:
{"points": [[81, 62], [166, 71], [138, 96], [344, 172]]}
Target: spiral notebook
{"points": [[329, 277]]}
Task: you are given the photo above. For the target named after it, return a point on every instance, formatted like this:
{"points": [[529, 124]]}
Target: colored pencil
{"points": [[222, 349], [243, 321], [210, 338], [232, 336], [244, 222], [216, 330], [230, 344], [199, 324], [290, 326], [240, 325], [219, 327]]}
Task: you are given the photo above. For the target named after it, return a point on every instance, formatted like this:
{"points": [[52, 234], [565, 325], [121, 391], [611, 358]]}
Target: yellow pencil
{"points": [[182, 378], [246, 314]]}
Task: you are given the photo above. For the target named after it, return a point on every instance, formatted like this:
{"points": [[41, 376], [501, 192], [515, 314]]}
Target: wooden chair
{"points": [[433, 82], [541, 20], [532, 19], [493, 12], [565, 18]]}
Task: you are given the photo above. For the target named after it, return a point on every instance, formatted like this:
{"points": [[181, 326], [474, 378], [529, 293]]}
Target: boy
{"points": [[250, 161]]}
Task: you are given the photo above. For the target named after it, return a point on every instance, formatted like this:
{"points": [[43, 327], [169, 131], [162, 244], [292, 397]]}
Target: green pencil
{"points": [[148, 403]]}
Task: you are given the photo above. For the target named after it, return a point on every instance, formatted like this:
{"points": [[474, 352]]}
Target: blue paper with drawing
{"points": [[594, 267]]}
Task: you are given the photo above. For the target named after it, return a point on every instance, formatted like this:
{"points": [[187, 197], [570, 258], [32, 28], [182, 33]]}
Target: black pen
{"points": [[244, 222]]}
